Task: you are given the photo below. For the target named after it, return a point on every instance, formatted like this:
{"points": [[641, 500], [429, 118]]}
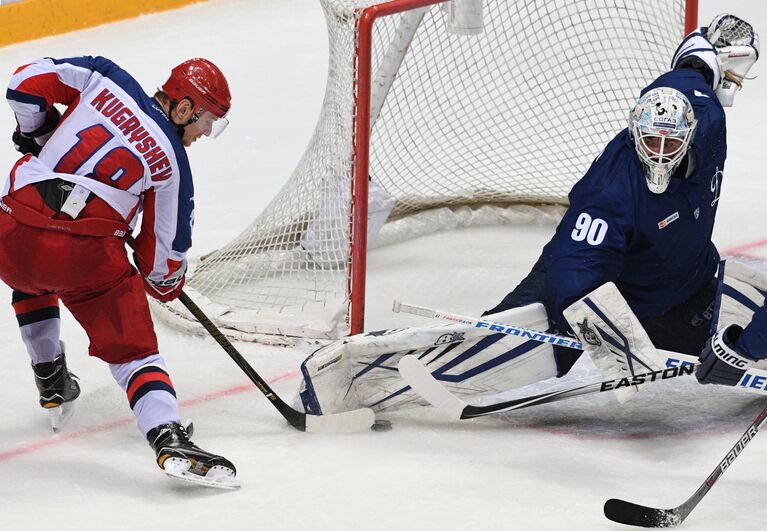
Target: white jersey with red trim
{"points": [[115, 141]]}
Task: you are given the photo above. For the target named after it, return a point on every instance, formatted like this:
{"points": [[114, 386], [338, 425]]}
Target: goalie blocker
{"points": [[361, 371]]}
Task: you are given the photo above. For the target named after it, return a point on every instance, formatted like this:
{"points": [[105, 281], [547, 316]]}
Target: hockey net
{"points": [[458, 125]]}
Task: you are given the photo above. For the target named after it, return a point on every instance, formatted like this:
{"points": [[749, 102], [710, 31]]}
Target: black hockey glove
{"points": [[33, 142], [721, 362]]}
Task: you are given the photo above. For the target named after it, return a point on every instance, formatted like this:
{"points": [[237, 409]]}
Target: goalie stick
{"points": [[421, 380], [490, 326], [345, 422], [424, 383], [638, 515]]}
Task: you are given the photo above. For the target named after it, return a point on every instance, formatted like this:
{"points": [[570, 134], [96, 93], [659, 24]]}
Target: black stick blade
{"points": [[629, 513]]}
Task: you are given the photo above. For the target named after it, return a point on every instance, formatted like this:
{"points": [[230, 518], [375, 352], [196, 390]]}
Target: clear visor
{"points": [[209, 124]]}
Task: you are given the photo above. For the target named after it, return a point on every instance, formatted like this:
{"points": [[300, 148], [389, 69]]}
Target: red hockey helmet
{"points": [[203, 83]]}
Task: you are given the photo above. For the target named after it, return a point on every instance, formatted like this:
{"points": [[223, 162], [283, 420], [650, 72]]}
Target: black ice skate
{"points": [[181, 459], [58, 389]]}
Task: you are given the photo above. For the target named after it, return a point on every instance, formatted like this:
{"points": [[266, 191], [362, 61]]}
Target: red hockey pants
{"points": [[91, 276]]}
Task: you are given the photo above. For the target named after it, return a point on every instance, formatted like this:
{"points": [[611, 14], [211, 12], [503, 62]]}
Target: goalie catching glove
{"points": [[723, 52]]}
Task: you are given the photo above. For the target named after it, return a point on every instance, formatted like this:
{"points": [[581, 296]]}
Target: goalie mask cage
{"points": [[511, 116]]}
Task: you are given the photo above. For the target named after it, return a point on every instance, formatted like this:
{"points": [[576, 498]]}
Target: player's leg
{"points": [[531, 289], [152, 398], [39, 324], [37, 313], [120, 328], [731, 298], [686, 327]]}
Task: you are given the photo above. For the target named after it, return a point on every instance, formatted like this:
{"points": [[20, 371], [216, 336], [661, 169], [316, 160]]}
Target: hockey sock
{"points": [[39, 324], [149, 389]]}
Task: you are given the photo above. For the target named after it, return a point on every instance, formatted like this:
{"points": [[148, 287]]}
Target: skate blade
{"points": [[59, 416], [217, 477]]}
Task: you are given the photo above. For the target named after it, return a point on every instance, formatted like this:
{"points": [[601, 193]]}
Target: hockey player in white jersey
{"points": [[67, 205], [634, 250]]}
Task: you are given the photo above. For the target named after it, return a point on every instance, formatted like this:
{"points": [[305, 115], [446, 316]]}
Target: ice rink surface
{"points": [[547, 468]]}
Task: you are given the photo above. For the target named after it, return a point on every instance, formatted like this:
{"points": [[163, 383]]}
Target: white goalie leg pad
{"points": [[613, 337], [743, 290], [361, 371]]}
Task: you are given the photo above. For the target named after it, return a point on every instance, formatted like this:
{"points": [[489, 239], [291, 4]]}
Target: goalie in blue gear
{"points": [[636, 239], [643, 214]]}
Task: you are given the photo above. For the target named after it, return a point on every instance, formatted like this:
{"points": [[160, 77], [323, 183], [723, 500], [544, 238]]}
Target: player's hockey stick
{"points": [[638, 515], [421, 380], [346, 422]]}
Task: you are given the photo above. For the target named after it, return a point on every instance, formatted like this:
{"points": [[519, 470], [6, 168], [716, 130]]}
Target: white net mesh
{"points": [[513, 115]]}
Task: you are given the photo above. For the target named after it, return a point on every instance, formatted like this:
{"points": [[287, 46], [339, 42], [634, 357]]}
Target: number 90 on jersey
{"points": [[592, 230]]}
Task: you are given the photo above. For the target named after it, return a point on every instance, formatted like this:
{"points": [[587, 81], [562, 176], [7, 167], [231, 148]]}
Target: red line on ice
{"points": [[741, 249], [68, 436]]}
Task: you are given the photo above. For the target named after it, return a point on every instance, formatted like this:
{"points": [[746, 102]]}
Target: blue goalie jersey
{"points": [[655, 247]]}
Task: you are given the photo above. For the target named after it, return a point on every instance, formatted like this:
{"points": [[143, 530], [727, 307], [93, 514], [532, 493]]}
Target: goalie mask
{"points": [[662, 125]]}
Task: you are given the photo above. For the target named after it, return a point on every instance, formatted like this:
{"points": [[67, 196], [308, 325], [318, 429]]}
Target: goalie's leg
{"points": [[687, 326], [531, 290], [362, 370]]}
